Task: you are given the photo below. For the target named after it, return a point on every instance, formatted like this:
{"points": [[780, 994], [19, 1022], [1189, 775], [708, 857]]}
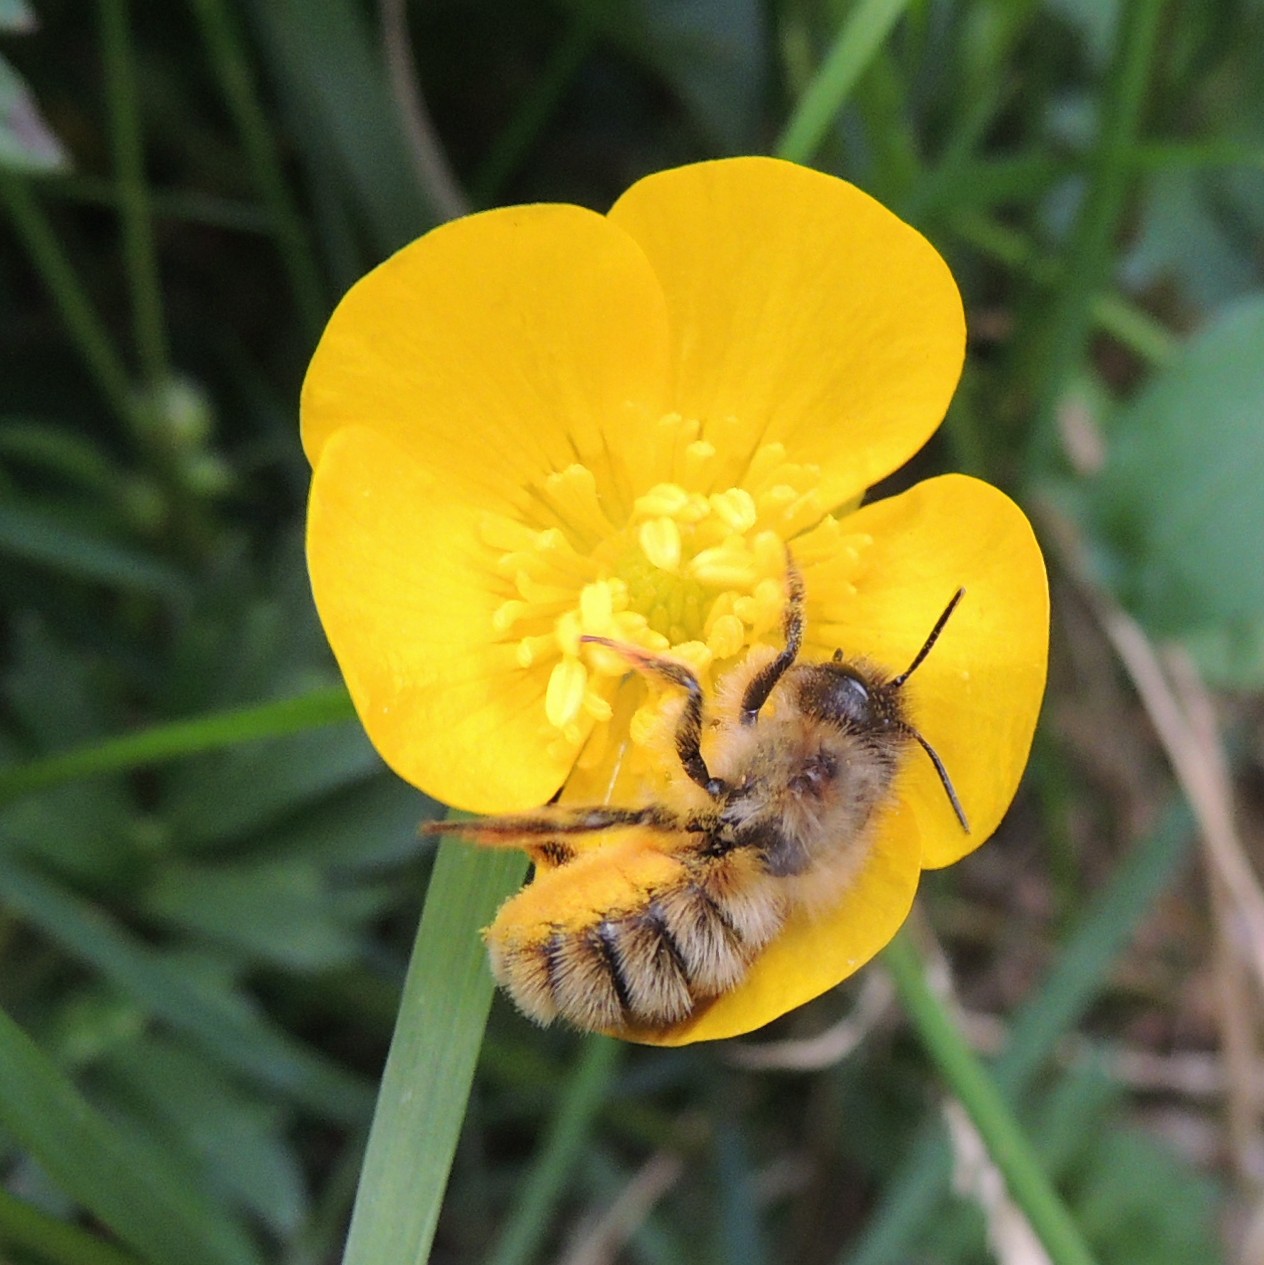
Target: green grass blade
{"points": [[139, 252], [857, 44], [1102, 934], [421, 1104], [1061, 342], [129, 1188], [1025, 1179], [1111, 313], [162, 743], [179, 206], [327, 56], [235, 1034], [514, 145], [226, 50], [522, 1234], [1107, 925], [59, 276], [27, 1229]]}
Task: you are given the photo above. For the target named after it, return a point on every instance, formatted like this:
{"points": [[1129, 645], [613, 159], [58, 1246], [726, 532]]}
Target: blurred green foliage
{"points": [[204, 930]]}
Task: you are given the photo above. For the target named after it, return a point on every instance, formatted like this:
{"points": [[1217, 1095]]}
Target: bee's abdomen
{"points": [[663, 934]]}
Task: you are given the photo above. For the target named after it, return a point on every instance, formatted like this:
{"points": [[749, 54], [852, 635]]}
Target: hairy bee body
{"points": [[638, 917], [644, 929]]}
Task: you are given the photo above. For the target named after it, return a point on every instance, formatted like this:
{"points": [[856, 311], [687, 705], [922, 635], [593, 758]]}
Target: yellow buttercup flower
{"points": [[539, 424]]}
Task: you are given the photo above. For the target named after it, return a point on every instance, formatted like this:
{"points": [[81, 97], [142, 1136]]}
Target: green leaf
{"points": [[1142, 1205], [125, 1185], [369, 825], [27, 143], [217, 1021], [911, 1200], [285, 913], [38, 537], [231, 1141], [78, 460], [53, 696], [1177, 512], [713, 53], [326, 54], [1187, 236], [1231, 656], [227, 795], [31, 1230]]}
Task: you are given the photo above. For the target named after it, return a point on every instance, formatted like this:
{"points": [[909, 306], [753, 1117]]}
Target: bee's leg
{"points": [[764, 681], [689, 728], [512, 828], [542, 835]]}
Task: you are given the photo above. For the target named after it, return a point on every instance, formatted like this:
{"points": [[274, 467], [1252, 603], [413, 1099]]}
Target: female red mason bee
{"points": [[638, 917]]}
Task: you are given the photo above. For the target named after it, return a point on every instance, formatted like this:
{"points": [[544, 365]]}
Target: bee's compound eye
{"points": [[838, 693], [850, 698]]}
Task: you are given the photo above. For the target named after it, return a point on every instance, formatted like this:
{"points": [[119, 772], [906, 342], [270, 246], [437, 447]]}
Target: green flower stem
{"points": [[858, 42], [139, 252], [1058, 349], [181, 738], [538, 1198], [229, 62], [421, 1104], [55, 270], [1008, 1149]]}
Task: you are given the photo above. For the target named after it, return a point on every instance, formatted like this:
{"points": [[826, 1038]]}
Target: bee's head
{"points": [[847, 695], [861, 700]]}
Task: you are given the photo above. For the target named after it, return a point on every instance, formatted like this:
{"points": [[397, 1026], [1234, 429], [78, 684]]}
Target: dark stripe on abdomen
{"points": [[607, 938]]}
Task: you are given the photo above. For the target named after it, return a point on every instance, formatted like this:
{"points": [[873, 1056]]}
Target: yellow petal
{"points": [[407, 595], [977, 695], [801, 311], [815, 953], [497, 349]]}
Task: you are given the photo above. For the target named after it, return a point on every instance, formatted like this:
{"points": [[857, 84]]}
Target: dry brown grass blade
{"points": [[433, 169], [1183, 715], [1192, 743], [600, 1242], [975, 1176], [810, 1054]]}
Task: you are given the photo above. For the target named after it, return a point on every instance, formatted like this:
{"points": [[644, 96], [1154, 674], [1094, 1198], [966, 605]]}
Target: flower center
{"points": [[694, 567]]}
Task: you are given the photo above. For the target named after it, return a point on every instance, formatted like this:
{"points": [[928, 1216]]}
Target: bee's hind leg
{"points": [[542, 835], [555, 821], [689, 727]]}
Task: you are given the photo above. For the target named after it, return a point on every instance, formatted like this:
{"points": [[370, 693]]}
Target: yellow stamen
{"points": [[694, 570], [565, 694], [660, 542]]}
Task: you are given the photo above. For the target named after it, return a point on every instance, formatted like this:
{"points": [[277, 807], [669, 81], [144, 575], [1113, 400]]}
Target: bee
{"points": [[638, 917]]}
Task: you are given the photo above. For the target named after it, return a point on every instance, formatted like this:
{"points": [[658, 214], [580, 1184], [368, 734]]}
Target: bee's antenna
{"points": [[895, 684], [924, 651], [949, 789]]}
